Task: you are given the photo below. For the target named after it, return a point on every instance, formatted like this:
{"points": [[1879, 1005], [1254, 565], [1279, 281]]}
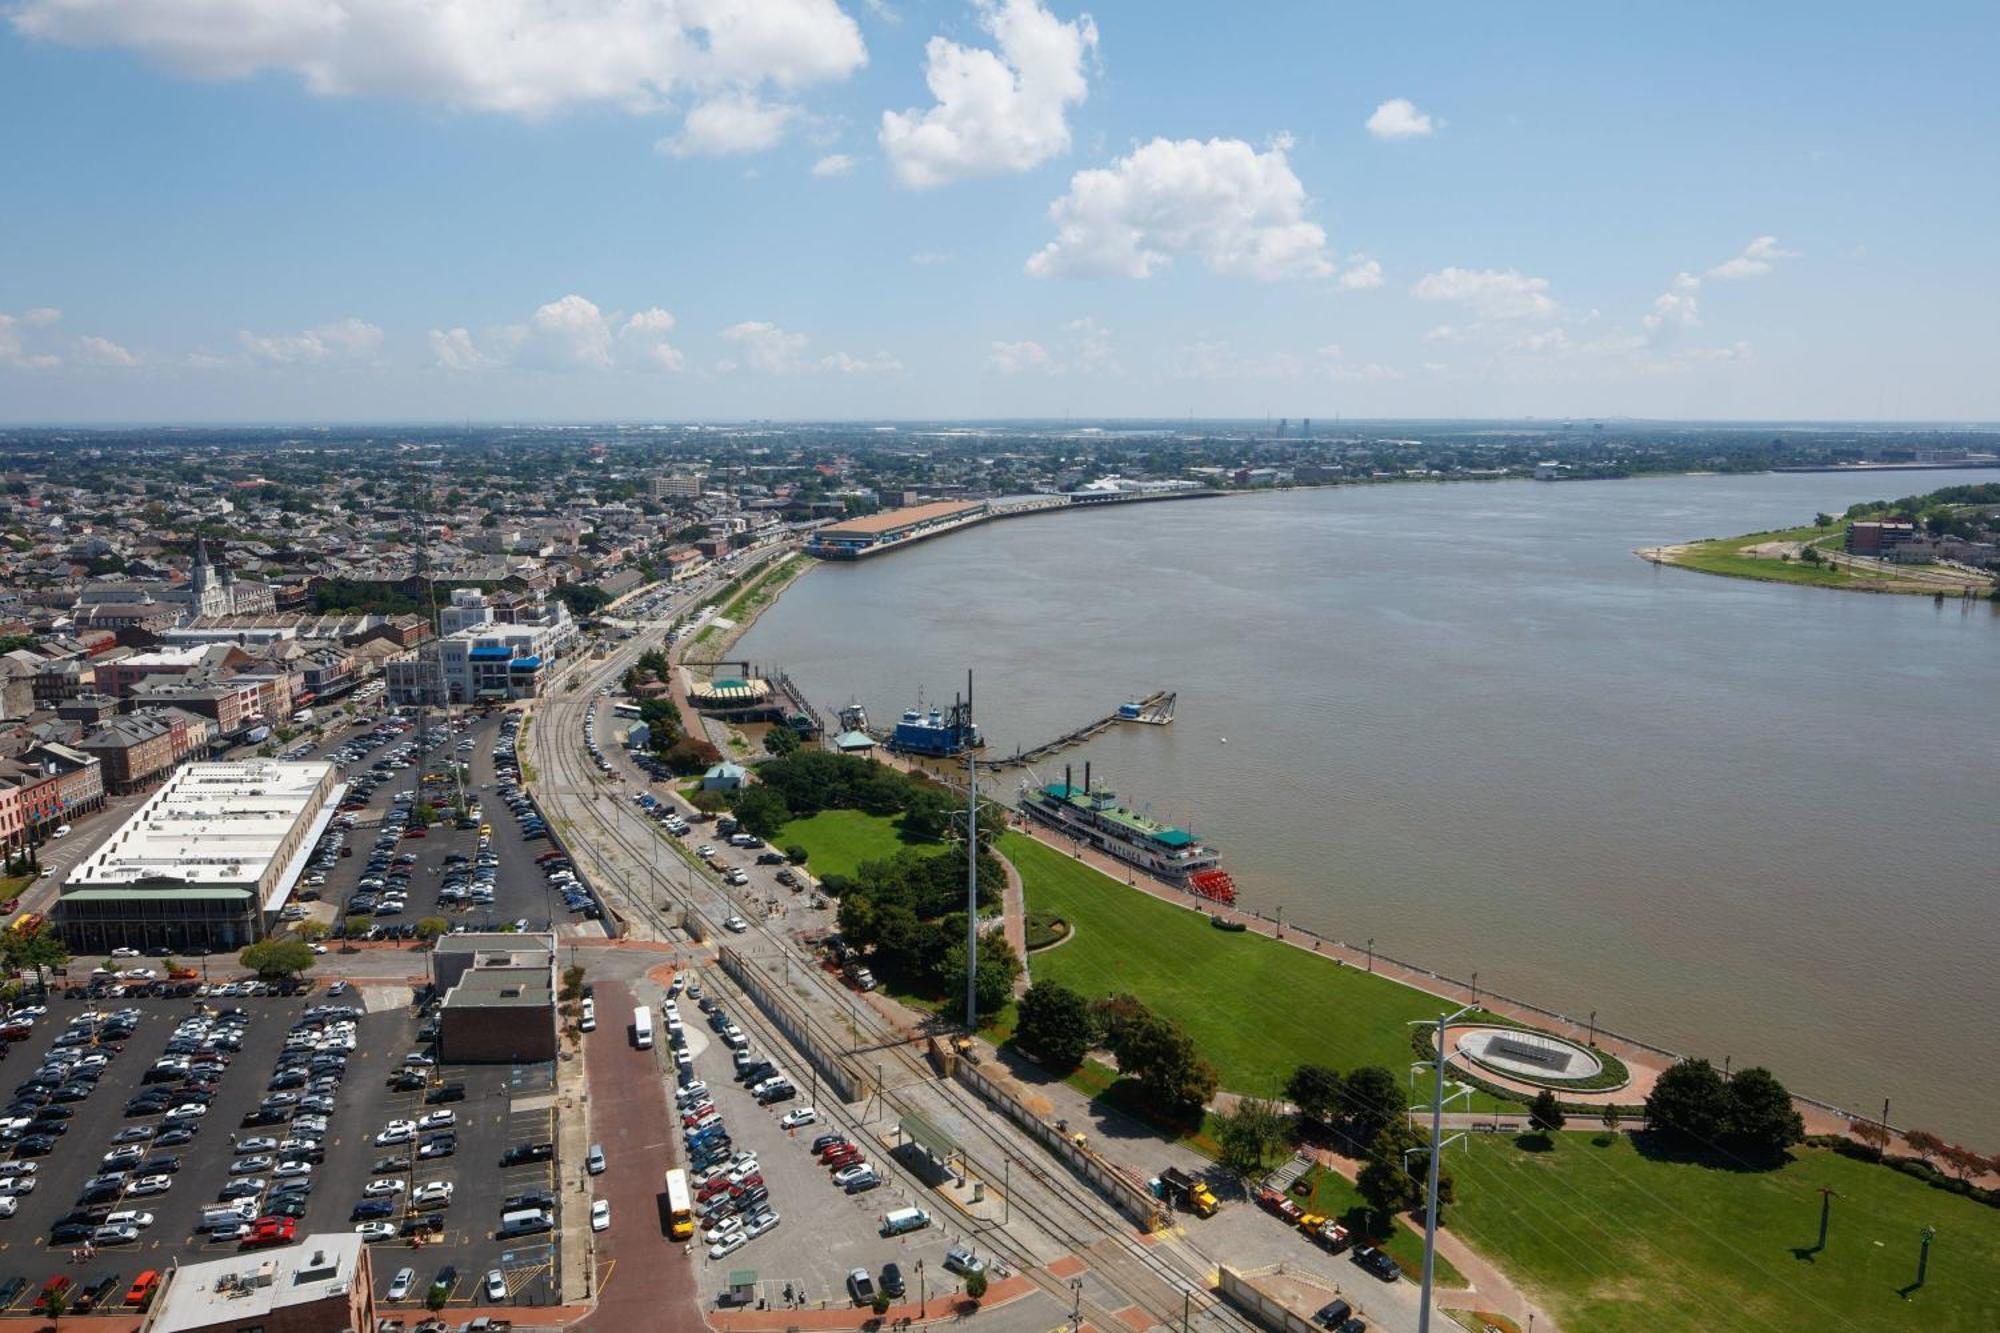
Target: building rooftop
{"points": [[874, 525], [487, 986], [242, 1289], [521, 948], [214, 825]]}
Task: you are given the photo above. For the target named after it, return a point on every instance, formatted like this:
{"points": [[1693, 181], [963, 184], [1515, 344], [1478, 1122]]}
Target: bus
{"points": [[680, 1207], [642, 1028], [624, 710]]}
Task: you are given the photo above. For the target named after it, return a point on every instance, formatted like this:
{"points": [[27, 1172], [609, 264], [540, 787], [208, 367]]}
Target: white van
{"points": [[243, 1210], [905, 1219], [525, 1221], [589, 1023]]}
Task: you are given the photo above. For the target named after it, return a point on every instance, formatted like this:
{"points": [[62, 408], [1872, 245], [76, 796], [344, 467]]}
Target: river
{"points": [[1738, 819]]}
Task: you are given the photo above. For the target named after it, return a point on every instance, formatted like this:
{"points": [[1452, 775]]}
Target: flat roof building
{"points": [[205, 862], [323, 1284], [855, 537], [499, 997]]}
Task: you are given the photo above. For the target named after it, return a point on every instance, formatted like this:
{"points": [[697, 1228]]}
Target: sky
{"points": [[521, 210]]}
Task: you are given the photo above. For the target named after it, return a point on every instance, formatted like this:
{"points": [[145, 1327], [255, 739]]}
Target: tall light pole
{"points": [[971, 868], [1444, 1021]]}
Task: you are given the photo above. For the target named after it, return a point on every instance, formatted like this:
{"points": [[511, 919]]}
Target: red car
{"points": [[745, 1185], [271, 1231], [415, 833], [54, 1285], [834, 1147], [711, 1189], [845, 1154]]}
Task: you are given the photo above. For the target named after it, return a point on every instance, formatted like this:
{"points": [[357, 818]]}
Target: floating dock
{"points": [[1156, 709]]}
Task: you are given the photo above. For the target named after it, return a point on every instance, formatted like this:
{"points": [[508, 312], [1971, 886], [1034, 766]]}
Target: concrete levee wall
{"points": [[817, 1045]]}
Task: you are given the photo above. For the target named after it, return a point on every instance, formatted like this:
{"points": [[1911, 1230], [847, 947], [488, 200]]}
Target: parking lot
{"points": [[844, 1228], [445, 858], [216, 1153]]}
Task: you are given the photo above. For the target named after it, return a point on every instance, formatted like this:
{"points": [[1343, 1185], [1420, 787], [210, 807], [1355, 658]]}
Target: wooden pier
{"points": [[1156, 709]]}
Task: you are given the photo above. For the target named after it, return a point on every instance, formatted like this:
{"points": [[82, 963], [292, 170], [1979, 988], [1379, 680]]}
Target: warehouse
{"points": [[205, 863], [857, 537], [499, 998]]}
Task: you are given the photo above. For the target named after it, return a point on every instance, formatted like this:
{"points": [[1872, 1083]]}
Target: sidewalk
{"points": [[939, 1309]]}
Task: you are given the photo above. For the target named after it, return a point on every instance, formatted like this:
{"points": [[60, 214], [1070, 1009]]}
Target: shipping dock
{"points": [[1154, 710]]}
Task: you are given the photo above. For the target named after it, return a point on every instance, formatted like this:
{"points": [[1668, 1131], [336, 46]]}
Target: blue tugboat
{"points": [[938, 734]]}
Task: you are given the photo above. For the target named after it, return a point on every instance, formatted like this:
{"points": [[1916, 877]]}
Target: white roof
{"points": [[215, 824], [243, 1288]]}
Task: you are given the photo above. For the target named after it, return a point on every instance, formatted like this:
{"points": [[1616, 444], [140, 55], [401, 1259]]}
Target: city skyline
{"points": [[811, 210]]}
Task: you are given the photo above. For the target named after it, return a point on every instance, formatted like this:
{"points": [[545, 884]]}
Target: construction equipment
{"points": [[1187, 1192]]}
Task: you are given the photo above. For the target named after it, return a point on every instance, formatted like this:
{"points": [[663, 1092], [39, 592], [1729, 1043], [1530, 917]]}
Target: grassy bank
{"points": [[1731, 556], [1615, 1240], [1256, 1008], [838, 841]]}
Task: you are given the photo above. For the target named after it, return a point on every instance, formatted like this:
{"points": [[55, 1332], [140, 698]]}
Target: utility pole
{"points": [[971, 868], [1437, 1064]]}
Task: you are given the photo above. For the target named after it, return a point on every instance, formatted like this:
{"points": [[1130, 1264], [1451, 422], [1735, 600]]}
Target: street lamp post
{"points": [[1444, 1021]]}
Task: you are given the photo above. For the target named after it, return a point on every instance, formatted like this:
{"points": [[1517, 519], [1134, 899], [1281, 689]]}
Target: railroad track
{"points": [[1078, 1219]]}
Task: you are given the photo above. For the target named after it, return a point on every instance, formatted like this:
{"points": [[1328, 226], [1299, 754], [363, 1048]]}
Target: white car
{"points": [[285, 1170], [150, 1185], [130, 1218], [370, 1232], [496, 1285], [600, 1215], [399, 1286], [15, 1186], [805, 1115], [849, 1174], [760, 1224], [743, 1172], [125, 953], [725, 1226], [438, 1120], [382, 1188], [729, 1244], [437, 1189], [8, 1205], [62, 831]]}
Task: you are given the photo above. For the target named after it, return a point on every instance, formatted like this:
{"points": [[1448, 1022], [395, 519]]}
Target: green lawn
{"points": [[838, 841], [1256, 1008], [1334, 1196], [13, 886], [1724, 556], [1613, 1240]]}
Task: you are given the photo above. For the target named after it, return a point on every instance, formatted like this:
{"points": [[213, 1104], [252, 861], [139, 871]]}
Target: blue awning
{"points": [[525, 664]]}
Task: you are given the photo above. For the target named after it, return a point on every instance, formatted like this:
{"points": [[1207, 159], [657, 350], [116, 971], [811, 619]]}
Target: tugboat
{"points": [[938, 734], [853, 717], [1093, 816]]}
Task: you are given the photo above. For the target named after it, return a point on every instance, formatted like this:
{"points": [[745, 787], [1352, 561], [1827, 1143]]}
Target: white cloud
{"points": [[1019, 357], [1674, 310], [764, 346], [41, 316], [1758, 258], [1500, 294], [453, 349], [996, 111], [570, 333], [879, 364], [1239, 211], [1084, 346], [343, 340], [1363, 274], [730, 124], [14, 353], [525, 57], [833, 164], [1398, 118], [927, 258], [97, 351]]}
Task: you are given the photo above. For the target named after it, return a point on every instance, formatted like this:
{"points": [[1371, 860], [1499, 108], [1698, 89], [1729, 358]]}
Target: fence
{"points": [[819, 1047], [1118, 1188]]}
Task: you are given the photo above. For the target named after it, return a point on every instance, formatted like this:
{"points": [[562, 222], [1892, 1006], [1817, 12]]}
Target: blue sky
{"points": [[220, 210]]}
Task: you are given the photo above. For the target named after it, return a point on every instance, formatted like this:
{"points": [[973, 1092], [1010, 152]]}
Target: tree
{"points": [[276, 958], [781, 740], [761, 810], [881, 1303], [1924, 1144], [572, 982], [796, 854], [430, 927], [309, 931], [1962, 1162], [1315, 1090], [993, 983], [1873, 1134], [1054, 1025], [1545, 1113], [1249, 1133], [1761, 1118], [357, 926], [1159, 1054], [1611, 1117], [1370, 1099], [1689, 1103], [37, 950], [1395, 1177]]}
